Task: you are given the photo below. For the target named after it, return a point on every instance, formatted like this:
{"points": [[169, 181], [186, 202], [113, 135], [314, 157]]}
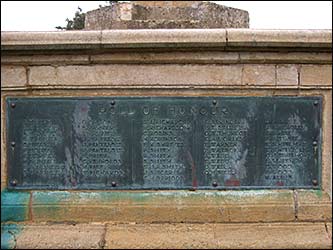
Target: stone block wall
{"points": [[86, 75], [222, 62]]}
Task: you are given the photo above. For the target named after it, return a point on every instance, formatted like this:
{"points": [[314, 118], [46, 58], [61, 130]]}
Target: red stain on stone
{"points": [[232, 182], [194, 176], [73, 182], [279, 183]]}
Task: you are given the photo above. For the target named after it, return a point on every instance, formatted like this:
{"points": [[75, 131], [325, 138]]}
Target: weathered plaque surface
{"points": [[164, 142]]}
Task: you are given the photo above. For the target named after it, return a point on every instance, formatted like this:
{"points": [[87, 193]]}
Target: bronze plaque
{"points": [[164, 142]]}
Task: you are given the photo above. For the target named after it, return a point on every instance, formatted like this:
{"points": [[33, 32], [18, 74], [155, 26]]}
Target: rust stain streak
{"points": [[30, 208], [194, 176]]}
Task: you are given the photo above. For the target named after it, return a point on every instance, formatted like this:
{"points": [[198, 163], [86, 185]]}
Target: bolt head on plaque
{"points": [[314, 182], [13, 183], [214, 102], [315, 143], [113, 102], [13, 144], [214, 184], [13, 104], [113, 184], [315, 103]]}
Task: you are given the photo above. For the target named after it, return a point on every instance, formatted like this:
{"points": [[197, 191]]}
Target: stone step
{"points": [[180, 236]]}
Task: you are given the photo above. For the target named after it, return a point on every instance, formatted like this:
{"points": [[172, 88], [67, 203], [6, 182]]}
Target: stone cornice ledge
{"points": [[167, 38]]}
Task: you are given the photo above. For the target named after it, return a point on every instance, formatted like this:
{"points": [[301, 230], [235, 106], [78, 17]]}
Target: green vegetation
{"points": [[77, 23]]}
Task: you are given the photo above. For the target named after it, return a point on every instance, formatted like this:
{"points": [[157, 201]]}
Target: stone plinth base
{"points": [[168, 236]]}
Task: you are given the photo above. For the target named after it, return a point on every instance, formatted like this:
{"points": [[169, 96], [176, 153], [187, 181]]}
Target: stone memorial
{"points": [[166, 124]]}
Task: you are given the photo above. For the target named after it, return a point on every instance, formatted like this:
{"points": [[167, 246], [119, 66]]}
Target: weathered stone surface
{"points": [[13, 76], [50, 38], [226, 236], [177, 4], [166, 15], [158, 75], [161, 236], [313, 206], [327, 144], [287, 75], [258, 75], [61, 236], [167, 39], [172, 236], [163, 38], [316, 75], [143, 75], [202, 57], [129, 236], [168, 57], [15, 206], [45, 60], [152, 24], [164, 206], [43, 75], [279, 38], [206, 57], [273, 236], [329, 230], [284, 57]]}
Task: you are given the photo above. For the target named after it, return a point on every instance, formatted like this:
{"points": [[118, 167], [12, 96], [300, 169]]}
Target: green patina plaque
{"points": [[164, 142]]}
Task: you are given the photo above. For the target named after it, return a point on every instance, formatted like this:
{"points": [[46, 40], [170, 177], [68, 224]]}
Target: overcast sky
{"points": [[46, 15]]}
